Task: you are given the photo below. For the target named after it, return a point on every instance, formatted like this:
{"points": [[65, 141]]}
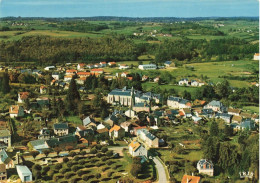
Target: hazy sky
{"points": [[129, 8]]}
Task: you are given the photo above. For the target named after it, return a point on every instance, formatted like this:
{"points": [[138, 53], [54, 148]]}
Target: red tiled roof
{"points": [[71, 71], [93, 70], [24, 95], [115, 128], [190, 179]]}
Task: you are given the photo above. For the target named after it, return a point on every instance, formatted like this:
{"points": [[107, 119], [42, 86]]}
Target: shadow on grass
{"points": [[106, 179]]}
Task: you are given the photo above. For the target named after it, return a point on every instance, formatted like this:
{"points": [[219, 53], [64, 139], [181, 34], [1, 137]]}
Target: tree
{"points": [[57, 150], [136, 169], [211, 148], [186, 95], [104, 149], [5, 87], [34, 153], [228, 155], [214, 131], [46, 152], [189, 168], [98, 175], [73, 96]]}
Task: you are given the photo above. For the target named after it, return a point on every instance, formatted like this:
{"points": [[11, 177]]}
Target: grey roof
{"points": [[88, 120], [4, 133], [215, 103], [207, 111], [168, 62], [177, 99], [39, 144], [112, 118], [23, 169], [223, 115], [141, 105], [183, 101], [61, 140], [61, 126], [149, 135], [3, 155], [121, 92], [247, 123]]}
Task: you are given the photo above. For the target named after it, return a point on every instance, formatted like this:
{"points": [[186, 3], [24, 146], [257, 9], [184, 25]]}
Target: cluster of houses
{"points": [[187, 82]]}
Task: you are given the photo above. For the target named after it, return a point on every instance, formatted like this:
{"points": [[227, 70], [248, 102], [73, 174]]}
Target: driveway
{"points": [[160, 170]]}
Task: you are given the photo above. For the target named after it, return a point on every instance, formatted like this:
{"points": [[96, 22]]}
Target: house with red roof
{"points": [[256, 56], [112, 64], [16, 111], [71, 72], [99, 71], [103, 64], [22, 96], [81, 66], [43, 89], [190, 179], [137, 149]]}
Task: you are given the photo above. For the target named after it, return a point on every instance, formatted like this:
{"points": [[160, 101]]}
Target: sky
{"points": [[129, 8]]}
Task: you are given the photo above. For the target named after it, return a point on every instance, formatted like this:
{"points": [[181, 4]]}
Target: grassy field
{"points": [[254, 109]]}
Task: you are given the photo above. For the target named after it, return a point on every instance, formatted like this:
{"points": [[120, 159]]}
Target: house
{"points": [[103, 133], [24, 173], [103, 64], [123, 66], [71, 72], [144, 78], [112, 64], [3, 125], [5, 138], [216, 106], [80, 81], [183, 103], [80, 66], [186, 112], [237, 119], [82, 131], [90, 66], [62, 141], [207, 113], [61, 129], [88, 122], [84, 74], [226, 117], [124, 74], [147, 67], [149, 139], [196, 119], [48, 68], [22, 96], [38, 145], [68, 78], [198, 103], [246, 124], [156, 79], [55, 75], [245, 115], [6, 160], [255, 118], [116, 132], [183, 82], [205, 166], [167, 63], [99, 71], [123, 96], [190, 179], [137, 149], [3, 173], [42, 101], [45, 133], [234, 112], [142, 106], [16, 111], [178, 103], [43, 89], [128, 126], [256, 56]]}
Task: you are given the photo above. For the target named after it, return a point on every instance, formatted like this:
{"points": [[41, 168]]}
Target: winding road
{"points": [[160, 170]]}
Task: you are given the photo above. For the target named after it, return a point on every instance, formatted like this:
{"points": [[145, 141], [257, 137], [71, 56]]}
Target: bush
{"points": [[74, 180], [103, 158], [110, 142], [37, 167], [99, 155], [50, 173], [64, 170], [65, 160], [76, 158], [109, 162], [82, 162], [74, 168], [109, 153], [56, 177], [98, 175], [93, 151], [68, 175], [104, 149], [109, 174], [104, 169], [69, 164], [58, 166], [72, 154], [98, 146], [80, 173], [98, 164], [85, 177], [45, 170], [83, 153]]}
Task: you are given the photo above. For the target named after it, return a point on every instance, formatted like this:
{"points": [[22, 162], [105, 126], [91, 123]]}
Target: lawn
{"points": [[74, 119], [254, 109]]}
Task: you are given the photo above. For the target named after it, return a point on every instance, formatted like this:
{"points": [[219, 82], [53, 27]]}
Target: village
{"points": [[125, 121]]}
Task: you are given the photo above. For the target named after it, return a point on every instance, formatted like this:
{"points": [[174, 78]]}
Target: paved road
{"points": [[160, 170]]}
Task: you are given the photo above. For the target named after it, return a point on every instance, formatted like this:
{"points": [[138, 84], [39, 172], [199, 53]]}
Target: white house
{"points": [[80, 67], [147, 67], [123, 66], [22, 96], [24, 173], [149, 139], [5, 138], [55, 76], [48, 68], [184, 82], [137, 149], [256, 56]]}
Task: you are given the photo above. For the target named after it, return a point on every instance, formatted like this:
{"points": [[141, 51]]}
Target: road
{"points": [[160, 170]]}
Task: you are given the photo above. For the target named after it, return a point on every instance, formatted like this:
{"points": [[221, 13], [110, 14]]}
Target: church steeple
{"points": [[132, 98]]}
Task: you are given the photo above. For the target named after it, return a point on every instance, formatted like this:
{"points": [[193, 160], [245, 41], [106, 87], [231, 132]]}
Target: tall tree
{"points": [[5, 83], [72, 97], [214, 131]]}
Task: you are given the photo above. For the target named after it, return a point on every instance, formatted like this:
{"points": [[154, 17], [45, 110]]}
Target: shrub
{"points": [[74, 168], [109, 153], [83, 153], [109, 162], [58, 166], [68, 175], [98, 146], [98, 164], [110, 142], [85, 177], [82, 162], [80, 173], [98, 175], [109, 174], [50, 173], [37, 167], [93, 151], [64, 170], [104, 149], [69, 164], [45, 170], [76, 158], [65, 160], [103, 158], [74, 180], [99, 155], [104, 169], [56, 177], [72, 154]]}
